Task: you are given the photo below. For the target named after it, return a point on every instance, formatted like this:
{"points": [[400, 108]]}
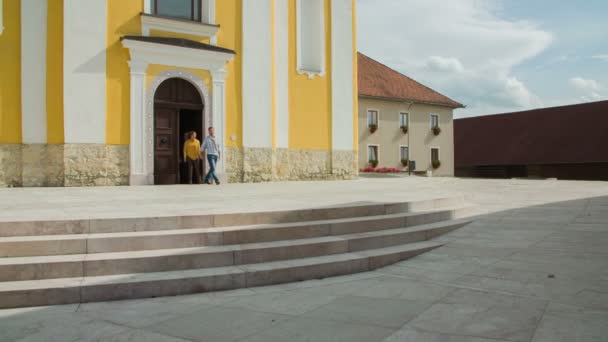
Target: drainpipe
{"points": [[409, 132]]}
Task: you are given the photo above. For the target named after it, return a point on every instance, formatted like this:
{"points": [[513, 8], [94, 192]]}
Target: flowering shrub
{"points": [[381, 170]]}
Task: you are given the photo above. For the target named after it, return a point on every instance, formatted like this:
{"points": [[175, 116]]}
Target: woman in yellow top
{"points": [[192, 155]]}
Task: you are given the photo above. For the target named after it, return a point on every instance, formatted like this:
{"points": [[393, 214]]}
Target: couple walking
{"points": [[192, 154]]}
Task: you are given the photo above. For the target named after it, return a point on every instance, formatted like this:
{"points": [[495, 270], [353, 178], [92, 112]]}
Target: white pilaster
{"points": [[219, 112], [342, 57], [257, 74], [1, 26], [138, 149], [281, 65], [33, 70], [84, 71]]}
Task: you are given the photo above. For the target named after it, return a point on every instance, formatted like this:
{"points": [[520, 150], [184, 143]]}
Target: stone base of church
{"points": [[246, 165], [10, 165], [63, 165], [32, 165]]}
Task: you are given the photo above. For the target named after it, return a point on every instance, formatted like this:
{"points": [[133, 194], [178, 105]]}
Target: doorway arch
{"points": [[178, 108]]}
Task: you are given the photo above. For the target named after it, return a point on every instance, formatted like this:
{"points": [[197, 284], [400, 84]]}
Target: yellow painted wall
{"points": [[54, 73], [10, 73], [228, 14], [123, 19], [309, 100]]}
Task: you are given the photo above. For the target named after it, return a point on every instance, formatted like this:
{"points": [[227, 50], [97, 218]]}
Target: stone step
{"points": [[133, 224], [145, 285], [99, 264], [21, 246]]}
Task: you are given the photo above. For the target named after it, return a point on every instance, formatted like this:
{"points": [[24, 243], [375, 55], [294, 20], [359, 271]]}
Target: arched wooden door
{"points": [[178, 108]]}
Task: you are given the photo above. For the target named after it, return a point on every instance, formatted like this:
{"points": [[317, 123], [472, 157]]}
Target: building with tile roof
{"points": [[403, 123]]}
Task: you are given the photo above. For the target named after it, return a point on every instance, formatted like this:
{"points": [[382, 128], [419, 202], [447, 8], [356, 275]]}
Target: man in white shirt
{"points": [[211, 148]]}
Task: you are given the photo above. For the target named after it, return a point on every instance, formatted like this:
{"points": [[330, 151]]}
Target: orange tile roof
{"points": [[379, 81]]}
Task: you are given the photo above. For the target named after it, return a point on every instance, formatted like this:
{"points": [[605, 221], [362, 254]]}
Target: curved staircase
{"points": [[74, 261]]}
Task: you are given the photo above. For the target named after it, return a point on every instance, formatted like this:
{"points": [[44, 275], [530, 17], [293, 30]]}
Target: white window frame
{"points": [[301, 69], [407, 119], [377, 152], [205, 28], [408, 152], [377, 116], [431, 153], [431, 120]]}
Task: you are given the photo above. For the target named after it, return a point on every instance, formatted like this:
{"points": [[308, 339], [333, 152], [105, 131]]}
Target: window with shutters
{"points": [[434, 154], [372, 153], [402, 119], [434, 120], [372, 117], [404, 152]]}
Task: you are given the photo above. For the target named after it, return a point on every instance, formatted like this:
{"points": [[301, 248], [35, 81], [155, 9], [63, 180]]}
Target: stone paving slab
{"points": [[512, 275]]}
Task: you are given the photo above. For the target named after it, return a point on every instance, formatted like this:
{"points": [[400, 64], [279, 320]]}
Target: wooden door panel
{"points": [[173, 96], [166, 155], [187, 93]]}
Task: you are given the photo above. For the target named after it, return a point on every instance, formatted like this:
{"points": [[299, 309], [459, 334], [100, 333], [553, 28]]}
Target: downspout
{"points": [[409, 132]]}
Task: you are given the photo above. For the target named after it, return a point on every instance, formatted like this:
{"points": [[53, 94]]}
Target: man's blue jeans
{"points": [[212, 159]]}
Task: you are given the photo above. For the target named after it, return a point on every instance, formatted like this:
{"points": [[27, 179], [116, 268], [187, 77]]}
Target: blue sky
{"points": [[493, 55]]}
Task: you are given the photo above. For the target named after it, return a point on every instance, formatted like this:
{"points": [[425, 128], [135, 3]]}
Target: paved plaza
{"points": [[533, 266]]}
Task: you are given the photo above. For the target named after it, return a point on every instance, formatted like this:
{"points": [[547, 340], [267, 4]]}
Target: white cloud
{"points": [[459, 47], [588, 89], [601, 57], [584, 84], [438, 63]]}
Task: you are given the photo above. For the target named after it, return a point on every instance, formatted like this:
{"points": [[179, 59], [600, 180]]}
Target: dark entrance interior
{"points": [[178, 108]]}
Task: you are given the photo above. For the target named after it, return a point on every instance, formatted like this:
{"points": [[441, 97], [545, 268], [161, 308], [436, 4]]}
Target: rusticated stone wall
{"points": [[267, 164], [42, 165], [344, 164], [10, 165], [234, 164], [96, 164], [63, 165], [99, 165]]}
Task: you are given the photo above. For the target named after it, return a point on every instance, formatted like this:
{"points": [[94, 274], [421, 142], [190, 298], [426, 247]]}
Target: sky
{"points": [[494, 56]]}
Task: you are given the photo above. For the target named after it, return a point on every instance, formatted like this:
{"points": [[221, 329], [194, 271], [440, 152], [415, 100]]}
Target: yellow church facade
{"points": [[101, 92]]}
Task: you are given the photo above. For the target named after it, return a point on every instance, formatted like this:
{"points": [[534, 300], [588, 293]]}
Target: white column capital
{"points": [[138, 67], [219, 75]]}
